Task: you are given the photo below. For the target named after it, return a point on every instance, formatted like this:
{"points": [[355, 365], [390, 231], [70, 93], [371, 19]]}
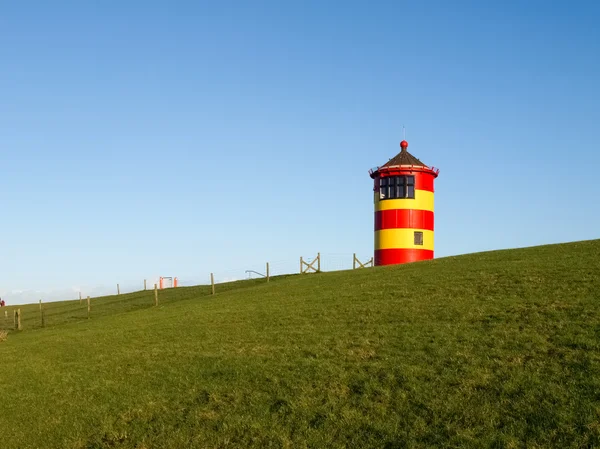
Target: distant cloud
{"points": [[24, 296], [220, 280]]}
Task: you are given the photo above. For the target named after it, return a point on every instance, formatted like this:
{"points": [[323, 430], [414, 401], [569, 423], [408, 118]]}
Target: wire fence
{"points": [[147, 293]]}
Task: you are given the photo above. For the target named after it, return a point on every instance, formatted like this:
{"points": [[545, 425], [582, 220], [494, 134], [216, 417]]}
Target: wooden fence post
{"points": [[301, 262], [155, 295], [212, 283], [89, 306], [354, 261], [79, 297], [40, 305], [268, 274], [18, 319], [144, 284], [318, 262], [118, 290], [15, 319]]}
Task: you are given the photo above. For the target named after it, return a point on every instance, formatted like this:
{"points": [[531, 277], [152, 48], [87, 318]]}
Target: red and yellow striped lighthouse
{"points": [[403, 197]]}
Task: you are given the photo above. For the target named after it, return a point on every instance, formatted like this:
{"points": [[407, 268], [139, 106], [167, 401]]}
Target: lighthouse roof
{"points": [[402, 161], [404, 158]]}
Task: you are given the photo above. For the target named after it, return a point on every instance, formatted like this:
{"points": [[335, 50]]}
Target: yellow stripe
{"points": [[402, 238], [423, 201]]}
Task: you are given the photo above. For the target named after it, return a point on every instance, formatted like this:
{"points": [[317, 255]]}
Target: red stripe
{"points": [[398, 255], [423, 181], [404, 218]]}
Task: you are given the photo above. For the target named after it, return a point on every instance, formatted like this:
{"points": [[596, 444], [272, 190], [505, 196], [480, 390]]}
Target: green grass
{"points": [[63, 312], [497, 349]]}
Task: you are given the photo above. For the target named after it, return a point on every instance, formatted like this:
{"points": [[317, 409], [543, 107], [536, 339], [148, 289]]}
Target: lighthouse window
{"points": [[395, 187], [410, 187], [400, 186], [418, 237]]}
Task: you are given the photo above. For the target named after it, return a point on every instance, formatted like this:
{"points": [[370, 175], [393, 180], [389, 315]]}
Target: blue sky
{"points": [[179, 138]]}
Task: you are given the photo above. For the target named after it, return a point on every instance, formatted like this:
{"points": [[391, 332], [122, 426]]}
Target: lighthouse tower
{"points": [[403, 189]]}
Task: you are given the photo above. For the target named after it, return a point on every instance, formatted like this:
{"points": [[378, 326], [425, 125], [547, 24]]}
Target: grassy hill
{"points": [[497, 349]]}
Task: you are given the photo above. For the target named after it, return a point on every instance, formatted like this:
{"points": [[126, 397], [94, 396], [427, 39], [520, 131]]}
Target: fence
{"points": [[126, 297]]}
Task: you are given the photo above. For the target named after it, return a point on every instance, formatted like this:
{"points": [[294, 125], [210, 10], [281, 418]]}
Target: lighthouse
{"points": [[403, 199]]}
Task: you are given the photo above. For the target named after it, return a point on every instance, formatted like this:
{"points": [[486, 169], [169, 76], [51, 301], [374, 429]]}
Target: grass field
{"points": [[497, 349]]}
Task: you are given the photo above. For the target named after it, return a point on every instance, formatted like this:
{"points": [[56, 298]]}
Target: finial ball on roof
{"points": [[404, 144]]}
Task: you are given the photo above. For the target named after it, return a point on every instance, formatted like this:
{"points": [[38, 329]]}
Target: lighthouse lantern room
{"points": [[403, 197]]}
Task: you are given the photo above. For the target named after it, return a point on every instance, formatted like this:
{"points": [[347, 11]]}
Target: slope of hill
{"points": [[497, 349]]}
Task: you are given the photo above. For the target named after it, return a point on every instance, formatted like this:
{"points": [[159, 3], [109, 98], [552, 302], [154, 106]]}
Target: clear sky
{"points": [[147, 138]]}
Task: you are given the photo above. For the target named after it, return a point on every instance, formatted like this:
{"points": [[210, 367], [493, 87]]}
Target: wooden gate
{"points": [[306, 267], [355, 262]]}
